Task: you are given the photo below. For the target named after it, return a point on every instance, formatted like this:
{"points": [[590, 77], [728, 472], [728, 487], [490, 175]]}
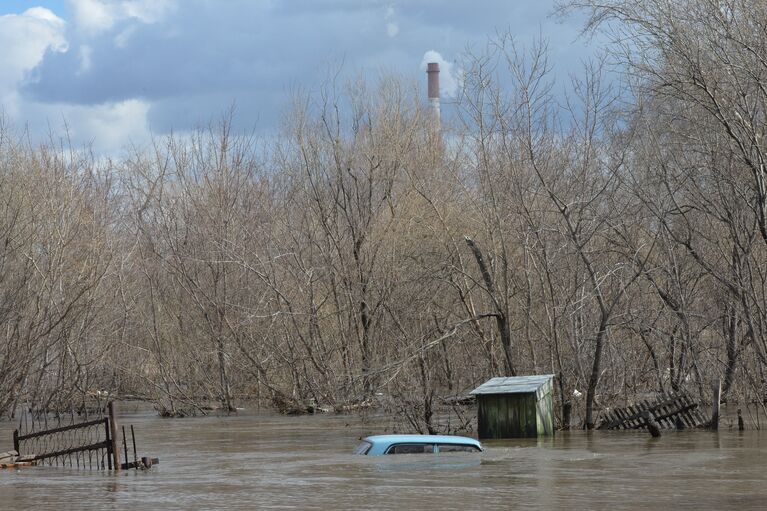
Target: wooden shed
{"points": [[515, 407]]}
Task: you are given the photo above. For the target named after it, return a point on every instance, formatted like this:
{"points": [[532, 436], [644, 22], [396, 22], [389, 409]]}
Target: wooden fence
{"points": [[677, 411]]}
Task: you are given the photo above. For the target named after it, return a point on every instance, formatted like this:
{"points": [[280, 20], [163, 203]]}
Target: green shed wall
{"points": [[545, 411], [515, 415], [507, 416]]}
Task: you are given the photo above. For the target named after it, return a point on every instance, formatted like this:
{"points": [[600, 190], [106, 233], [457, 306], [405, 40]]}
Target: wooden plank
{"points": [[640, 415], [687, 419], [626, 417], [631, 421], [621, 414], [611, 422], [113, 429], [716, 398], [634, 417], [697, 417], [629, 417], [615, 421], [482, 419], [684, 415], [663, 412], [679, 410], [108, 443]]}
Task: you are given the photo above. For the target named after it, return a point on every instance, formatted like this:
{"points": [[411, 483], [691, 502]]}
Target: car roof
{"points": [[433, 439], [379, 444]]}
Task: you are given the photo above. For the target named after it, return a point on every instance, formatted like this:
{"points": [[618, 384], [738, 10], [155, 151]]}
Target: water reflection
{"points": [[266, 461]]}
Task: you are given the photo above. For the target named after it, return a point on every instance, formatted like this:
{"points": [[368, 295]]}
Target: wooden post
{"points": [[741, 425], [716, 389], [109, 444], [16, 441], [125, 447], [133, 437], [652, 425], [112, 407]]}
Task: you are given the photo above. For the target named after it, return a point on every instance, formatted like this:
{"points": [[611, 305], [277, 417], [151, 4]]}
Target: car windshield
{"points": [[363, 448]]}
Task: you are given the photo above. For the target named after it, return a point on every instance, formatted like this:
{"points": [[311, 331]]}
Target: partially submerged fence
{"points": [[90, 444], [676, 411]]}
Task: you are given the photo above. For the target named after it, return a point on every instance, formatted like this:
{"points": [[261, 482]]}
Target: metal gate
{"points": [[91, 444]]}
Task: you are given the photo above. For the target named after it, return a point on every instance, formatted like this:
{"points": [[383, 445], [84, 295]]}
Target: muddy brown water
{"points": [[261, 461]]}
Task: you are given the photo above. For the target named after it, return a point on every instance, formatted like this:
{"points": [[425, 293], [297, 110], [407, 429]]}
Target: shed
{"points": [[515, 407]]}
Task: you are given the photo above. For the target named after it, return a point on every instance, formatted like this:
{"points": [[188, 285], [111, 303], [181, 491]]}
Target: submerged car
{"points": [[416, 444]]}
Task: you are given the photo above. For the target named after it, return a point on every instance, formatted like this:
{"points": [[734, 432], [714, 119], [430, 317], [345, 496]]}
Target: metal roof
{"points": [[513, 384]]}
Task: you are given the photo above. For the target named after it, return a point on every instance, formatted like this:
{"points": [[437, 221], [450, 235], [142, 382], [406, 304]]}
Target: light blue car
{"points": [[416, 444]]}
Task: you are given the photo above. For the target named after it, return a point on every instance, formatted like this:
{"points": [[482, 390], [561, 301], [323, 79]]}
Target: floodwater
{"points": [[275, 462]]}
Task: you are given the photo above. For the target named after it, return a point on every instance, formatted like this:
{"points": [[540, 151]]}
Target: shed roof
{"points": [[513, 384]]}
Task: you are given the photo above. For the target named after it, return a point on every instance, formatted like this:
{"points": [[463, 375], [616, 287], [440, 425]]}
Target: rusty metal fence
{"points": [[90, 444]]}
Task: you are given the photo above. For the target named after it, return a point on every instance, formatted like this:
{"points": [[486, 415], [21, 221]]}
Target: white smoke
{"points": [[450, 79]]}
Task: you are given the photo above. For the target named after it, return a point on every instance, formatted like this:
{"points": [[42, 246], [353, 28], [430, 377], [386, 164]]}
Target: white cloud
{"points": [[41, 13], [392, 28], [24, 39], [111, 127], [85, 59], [93, 17], [148, 11], [450, 75], [123, 38]]}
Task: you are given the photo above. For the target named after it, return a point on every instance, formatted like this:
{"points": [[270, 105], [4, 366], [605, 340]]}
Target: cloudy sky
{"points": [[117, 71]]}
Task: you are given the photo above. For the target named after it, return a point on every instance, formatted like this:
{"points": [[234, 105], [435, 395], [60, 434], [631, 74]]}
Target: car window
{"points": [[363, 448], [410, 448], [457, 448]]}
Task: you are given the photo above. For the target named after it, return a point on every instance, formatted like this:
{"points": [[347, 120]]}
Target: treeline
{"points": [[614, 235]]}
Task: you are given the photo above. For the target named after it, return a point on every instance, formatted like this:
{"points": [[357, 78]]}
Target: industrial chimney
{"points": [[432, 71]]}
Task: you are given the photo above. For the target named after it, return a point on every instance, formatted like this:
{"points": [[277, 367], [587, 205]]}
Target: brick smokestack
{"points": [[432, 71]]}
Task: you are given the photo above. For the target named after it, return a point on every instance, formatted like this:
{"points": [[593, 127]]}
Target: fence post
{"points": [[716, 389], [105, 420], [112, 407]]}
